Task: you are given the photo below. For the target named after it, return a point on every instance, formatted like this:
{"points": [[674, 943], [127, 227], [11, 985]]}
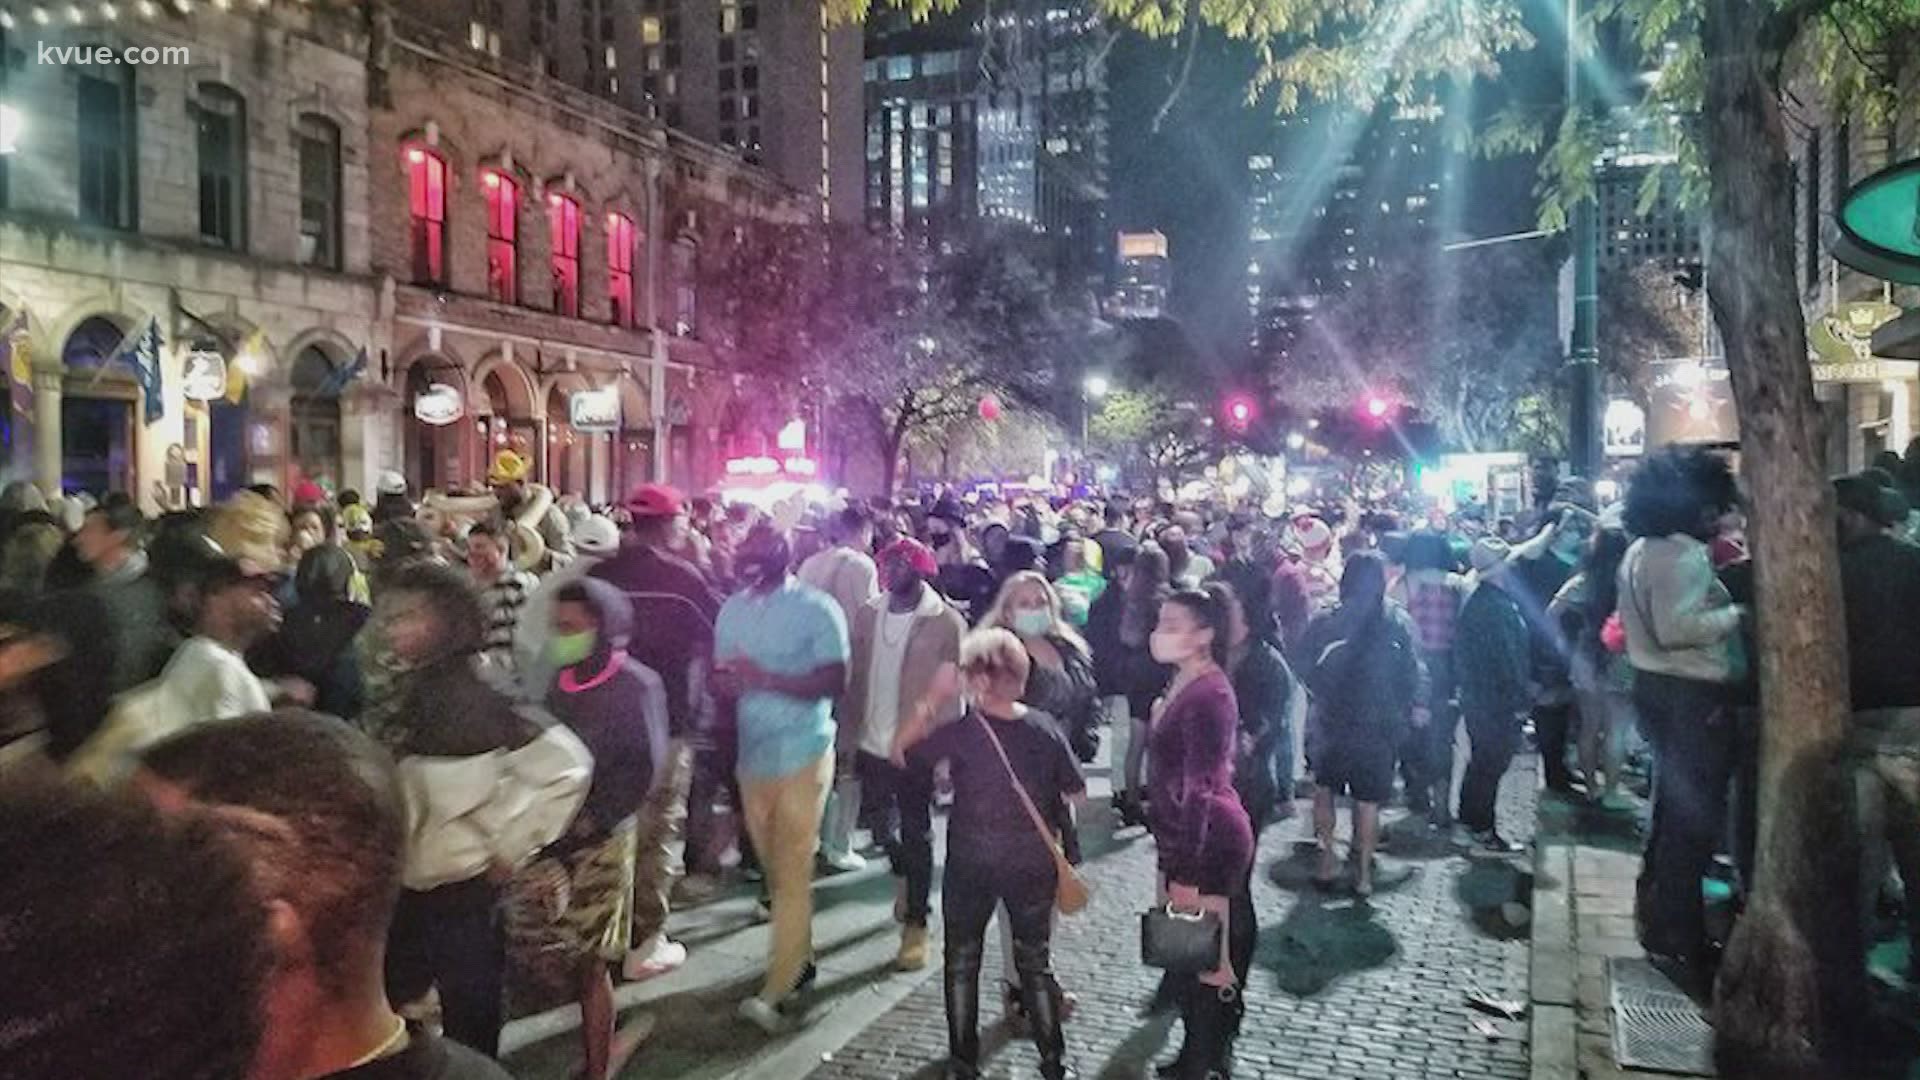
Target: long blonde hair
{"points": [[1001, 613]]}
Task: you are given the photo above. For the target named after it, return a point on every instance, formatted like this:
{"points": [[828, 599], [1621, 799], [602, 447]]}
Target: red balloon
{"points": [[989, 407]]}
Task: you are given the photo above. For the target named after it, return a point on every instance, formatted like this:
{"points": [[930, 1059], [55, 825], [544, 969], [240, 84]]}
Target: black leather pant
{"points": [[1211, 1014], [971, 889]]}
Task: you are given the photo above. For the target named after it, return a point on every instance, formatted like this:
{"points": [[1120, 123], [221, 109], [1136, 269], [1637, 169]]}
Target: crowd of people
{"points": [[313, 780]]}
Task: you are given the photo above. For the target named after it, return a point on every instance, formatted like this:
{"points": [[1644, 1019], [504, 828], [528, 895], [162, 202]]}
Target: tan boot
{"points": [[913, 949]]}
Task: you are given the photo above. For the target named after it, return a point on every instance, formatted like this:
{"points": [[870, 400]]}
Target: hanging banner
{"points": [[1691, 401], [203, 375], [439, 405], [594, 410]]}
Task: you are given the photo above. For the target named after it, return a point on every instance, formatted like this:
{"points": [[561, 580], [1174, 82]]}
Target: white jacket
{"points": [[1680, 620], [466, 813]]}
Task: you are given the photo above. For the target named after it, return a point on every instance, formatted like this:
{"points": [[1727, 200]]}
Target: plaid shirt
{"points": [[1434, 603]]}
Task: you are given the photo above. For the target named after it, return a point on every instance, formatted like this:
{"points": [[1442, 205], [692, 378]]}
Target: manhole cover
{"points": [[1655, 1025]]}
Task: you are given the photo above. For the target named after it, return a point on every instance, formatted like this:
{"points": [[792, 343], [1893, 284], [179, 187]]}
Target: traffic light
{"points": [[1239, 412]]}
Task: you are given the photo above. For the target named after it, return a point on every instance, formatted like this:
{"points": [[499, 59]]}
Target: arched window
{"points": [[503, 236], [318, 139], [563, 221], [427, 214], [220, 138], [620, 253]]}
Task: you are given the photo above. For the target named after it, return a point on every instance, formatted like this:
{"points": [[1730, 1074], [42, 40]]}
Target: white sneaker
{"points": [[651, 963], [767, 1018], [841, 862]]}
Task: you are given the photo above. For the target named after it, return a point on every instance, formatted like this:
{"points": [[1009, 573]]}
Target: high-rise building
{"points": [[770, 79], [1142, 276], [996, 112], [1336, 196], [1664, 231]]}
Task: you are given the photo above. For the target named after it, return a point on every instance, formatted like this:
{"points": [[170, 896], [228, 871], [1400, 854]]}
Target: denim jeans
{"points": [[1692, 732], [897, 808]]}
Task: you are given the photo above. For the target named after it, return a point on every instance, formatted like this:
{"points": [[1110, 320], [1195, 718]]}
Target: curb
{"points": [[1554, 961]]}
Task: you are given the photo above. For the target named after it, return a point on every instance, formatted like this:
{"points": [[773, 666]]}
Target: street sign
{"points": [[439, 405], [203, 375], [594, 410]]}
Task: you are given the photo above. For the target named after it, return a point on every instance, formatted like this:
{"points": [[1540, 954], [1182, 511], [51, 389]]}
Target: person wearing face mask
{"points": [[781, 655], [1142, 676], [964, 578], [1204, 837], [900, 640], [572, 906], [1060, 682], [996, 858], [1540, 568], [1367, 682]]}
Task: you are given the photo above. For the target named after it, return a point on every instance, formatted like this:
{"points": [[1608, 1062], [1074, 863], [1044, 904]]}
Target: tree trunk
{"points": [[1792, 980]]}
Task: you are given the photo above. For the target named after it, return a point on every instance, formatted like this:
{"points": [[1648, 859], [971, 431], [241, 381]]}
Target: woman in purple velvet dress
{"points": [[1204, 838]]}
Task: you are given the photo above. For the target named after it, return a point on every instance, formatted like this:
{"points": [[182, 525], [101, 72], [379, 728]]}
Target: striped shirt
{"points": [[502, 599]]}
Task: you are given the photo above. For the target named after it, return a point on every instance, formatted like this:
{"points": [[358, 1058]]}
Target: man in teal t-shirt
{"points": [[780, 651]]}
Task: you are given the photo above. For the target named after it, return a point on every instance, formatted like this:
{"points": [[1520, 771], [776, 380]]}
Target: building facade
{"points": [[1142, 277], [996, 112], [1871, 399], [333, 241], [212, 201]]}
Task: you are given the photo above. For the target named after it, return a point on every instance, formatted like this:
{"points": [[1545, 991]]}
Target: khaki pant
{"points": [[660, 820], [1888, 787], [783, 819]]}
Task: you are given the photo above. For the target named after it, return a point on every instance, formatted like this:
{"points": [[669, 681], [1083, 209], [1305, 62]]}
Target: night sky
{"points": [[1189, 178]]}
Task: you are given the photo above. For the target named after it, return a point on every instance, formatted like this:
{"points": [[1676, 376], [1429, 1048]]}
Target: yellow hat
{"points": [[509, 467]]}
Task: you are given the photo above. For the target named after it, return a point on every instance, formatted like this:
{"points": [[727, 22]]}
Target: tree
{"points": [[1791, 987], [900, 340], [1474, 365], [1644, 316], [1150, 434]]}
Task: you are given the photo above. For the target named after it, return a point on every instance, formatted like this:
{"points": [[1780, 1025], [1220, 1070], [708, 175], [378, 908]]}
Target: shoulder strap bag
{"points": [[1070, 893]]}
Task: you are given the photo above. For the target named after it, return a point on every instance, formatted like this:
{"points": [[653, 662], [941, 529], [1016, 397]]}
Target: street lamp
{"points": [[1095, 385]]}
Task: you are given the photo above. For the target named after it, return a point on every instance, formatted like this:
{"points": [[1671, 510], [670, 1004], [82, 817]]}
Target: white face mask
{"points": [[1032, 622], [1168, 647]]}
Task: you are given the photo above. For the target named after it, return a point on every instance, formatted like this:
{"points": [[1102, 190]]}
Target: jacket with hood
{"points": [[143, 638], [617, 707]]}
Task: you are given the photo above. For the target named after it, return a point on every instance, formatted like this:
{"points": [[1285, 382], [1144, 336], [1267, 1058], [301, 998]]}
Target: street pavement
{"points": [[1340, 989]]}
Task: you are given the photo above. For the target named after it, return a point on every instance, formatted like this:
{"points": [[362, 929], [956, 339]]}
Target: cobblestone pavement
{"points": [[1339, 990]]}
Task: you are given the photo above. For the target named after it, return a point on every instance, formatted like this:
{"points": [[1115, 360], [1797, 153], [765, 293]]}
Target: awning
{"points": [[1880, 224]]}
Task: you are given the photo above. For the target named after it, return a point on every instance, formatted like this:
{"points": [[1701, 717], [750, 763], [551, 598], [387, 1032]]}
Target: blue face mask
{"points": [[1032, 622]]}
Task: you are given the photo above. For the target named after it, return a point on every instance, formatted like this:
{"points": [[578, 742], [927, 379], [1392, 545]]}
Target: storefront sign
{"points": [[1867, 371], [439, 405], [594, 410], [1845, 334], [203, 375], [1691, 402], [792, 437]]}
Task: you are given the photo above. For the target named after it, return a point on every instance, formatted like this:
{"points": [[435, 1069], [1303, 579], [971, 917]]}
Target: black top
{"points": [[611, 721], [674, 609], [427, 1057], [1880, 581], [969, 586], [988, 820]]}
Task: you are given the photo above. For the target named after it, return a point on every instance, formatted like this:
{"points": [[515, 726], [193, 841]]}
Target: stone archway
{"points": [[437, 430]]}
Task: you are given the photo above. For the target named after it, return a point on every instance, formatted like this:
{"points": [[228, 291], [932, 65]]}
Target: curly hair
{"points": [[455, 604], [1674, 487]]}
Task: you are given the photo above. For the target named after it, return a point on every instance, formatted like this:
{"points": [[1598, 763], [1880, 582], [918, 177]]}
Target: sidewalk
{"points": [[1585, 866]]}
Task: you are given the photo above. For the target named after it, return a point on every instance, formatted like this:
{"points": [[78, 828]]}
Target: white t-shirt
{"points": [[208, 681], [890, 636]]}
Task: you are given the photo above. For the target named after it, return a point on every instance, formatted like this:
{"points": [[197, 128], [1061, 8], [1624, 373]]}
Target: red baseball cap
{"points": [[918, 556], [654, 501]]}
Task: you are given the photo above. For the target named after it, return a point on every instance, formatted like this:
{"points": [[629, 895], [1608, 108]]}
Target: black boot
{"points": [[1218, 1010], [1182, 990], [962, 977], [1041, 995]]}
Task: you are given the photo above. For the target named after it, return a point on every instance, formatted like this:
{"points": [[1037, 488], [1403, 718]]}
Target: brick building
{"points": [[542, 242], [319, 215], [216, 193]]}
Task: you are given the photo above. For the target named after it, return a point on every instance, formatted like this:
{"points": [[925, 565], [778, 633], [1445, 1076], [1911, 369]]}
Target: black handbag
{"points": [[1180, 942]]}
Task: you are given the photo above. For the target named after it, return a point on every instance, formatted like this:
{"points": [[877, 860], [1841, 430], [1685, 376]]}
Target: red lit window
{"points": [[620, 268], [427, 207], [503, 232], [563, 225]]}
